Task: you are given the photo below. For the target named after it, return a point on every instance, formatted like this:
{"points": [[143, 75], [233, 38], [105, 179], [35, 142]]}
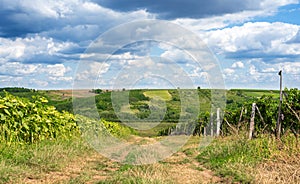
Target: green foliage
{"points": [[25, 121], [291, 107], [117, 129], [97, 91], [137, 95], [103, 127], [268, 107], [62, 105], [16, 89], [203, 120]]}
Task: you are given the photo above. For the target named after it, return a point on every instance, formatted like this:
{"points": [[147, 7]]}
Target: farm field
{"points": [[163, 94], [42, 140]]}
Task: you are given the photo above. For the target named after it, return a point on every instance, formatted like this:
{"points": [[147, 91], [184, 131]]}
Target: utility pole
{"points": [[278, 124]]}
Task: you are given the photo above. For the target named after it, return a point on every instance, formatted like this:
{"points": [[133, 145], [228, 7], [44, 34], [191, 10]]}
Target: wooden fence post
{"points": [[262, 119], [218, 122], [211, 124], [240, 119], [251, 129], [278, 124]]}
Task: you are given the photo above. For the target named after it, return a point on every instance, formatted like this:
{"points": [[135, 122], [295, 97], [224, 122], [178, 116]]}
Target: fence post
{"points": [[218, 122], [251, 129], [211, 124], [278, 124], [240, 119]]}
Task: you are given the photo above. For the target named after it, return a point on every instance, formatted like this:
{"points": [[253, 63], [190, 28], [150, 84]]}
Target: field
{"points": [[42, 141], [163, 94]]}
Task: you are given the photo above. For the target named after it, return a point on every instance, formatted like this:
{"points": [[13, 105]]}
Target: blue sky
{"points": [[43, 43]]}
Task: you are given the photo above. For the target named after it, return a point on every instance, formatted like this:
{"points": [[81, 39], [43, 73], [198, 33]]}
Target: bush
{"points": [[25, 121]]}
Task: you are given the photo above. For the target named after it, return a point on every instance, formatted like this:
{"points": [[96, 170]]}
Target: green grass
{"points": [[32, 160], [258, 94], [235, 157], [163, 94]]}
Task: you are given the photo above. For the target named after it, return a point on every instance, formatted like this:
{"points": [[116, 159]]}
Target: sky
{"points": [[65, 44]]}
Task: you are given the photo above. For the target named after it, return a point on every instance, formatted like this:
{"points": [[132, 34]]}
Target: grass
{"points": [[31, 161], [163, 94], [240, 160], [233, 159], [258, 94], [147, 174]]}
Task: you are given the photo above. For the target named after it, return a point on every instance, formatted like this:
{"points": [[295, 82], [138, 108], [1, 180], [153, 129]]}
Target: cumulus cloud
{"points": [[238, 64], [35, 50], [18, 69], [62, 17], [57, 70], [40, 38], [172, 9], [295, 39], [255, 40], [229, 71], [288, 68], [39, 75]]}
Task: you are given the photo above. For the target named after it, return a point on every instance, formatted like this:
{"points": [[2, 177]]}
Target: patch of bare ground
{"points": [[184, 168], [69, 93], [181, 167], [78, 93], [284, 169]]}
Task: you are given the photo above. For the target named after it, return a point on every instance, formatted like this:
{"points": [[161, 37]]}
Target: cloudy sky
{"points": [[46, 44]]}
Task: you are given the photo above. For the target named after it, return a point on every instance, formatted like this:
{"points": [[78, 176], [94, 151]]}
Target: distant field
{"points": [[258, 94], [164, 94], [65, 94]]}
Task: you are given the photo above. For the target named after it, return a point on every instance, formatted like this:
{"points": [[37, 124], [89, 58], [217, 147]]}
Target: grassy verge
{"points": [[239, 159], [30, 161]]}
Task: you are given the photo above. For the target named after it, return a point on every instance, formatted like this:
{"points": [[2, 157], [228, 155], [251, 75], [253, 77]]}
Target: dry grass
{"points": [[88, 166], [283, 169], [283, 166]]}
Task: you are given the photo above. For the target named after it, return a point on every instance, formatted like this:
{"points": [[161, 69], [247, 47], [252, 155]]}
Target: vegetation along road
{"points": [[41, 138]]}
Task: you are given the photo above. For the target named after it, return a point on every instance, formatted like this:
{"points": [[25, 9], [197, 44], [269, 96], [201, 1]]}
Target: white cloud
{"points": [[90, 71], [252, 70], [267, 8], [26, 49], [40, 83], [229, 71], [176, 55], [292, 68], [238, 64], [38, 75], [57, 70], [258, 38], [19, 69], [67, 25], [269, 70]]}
